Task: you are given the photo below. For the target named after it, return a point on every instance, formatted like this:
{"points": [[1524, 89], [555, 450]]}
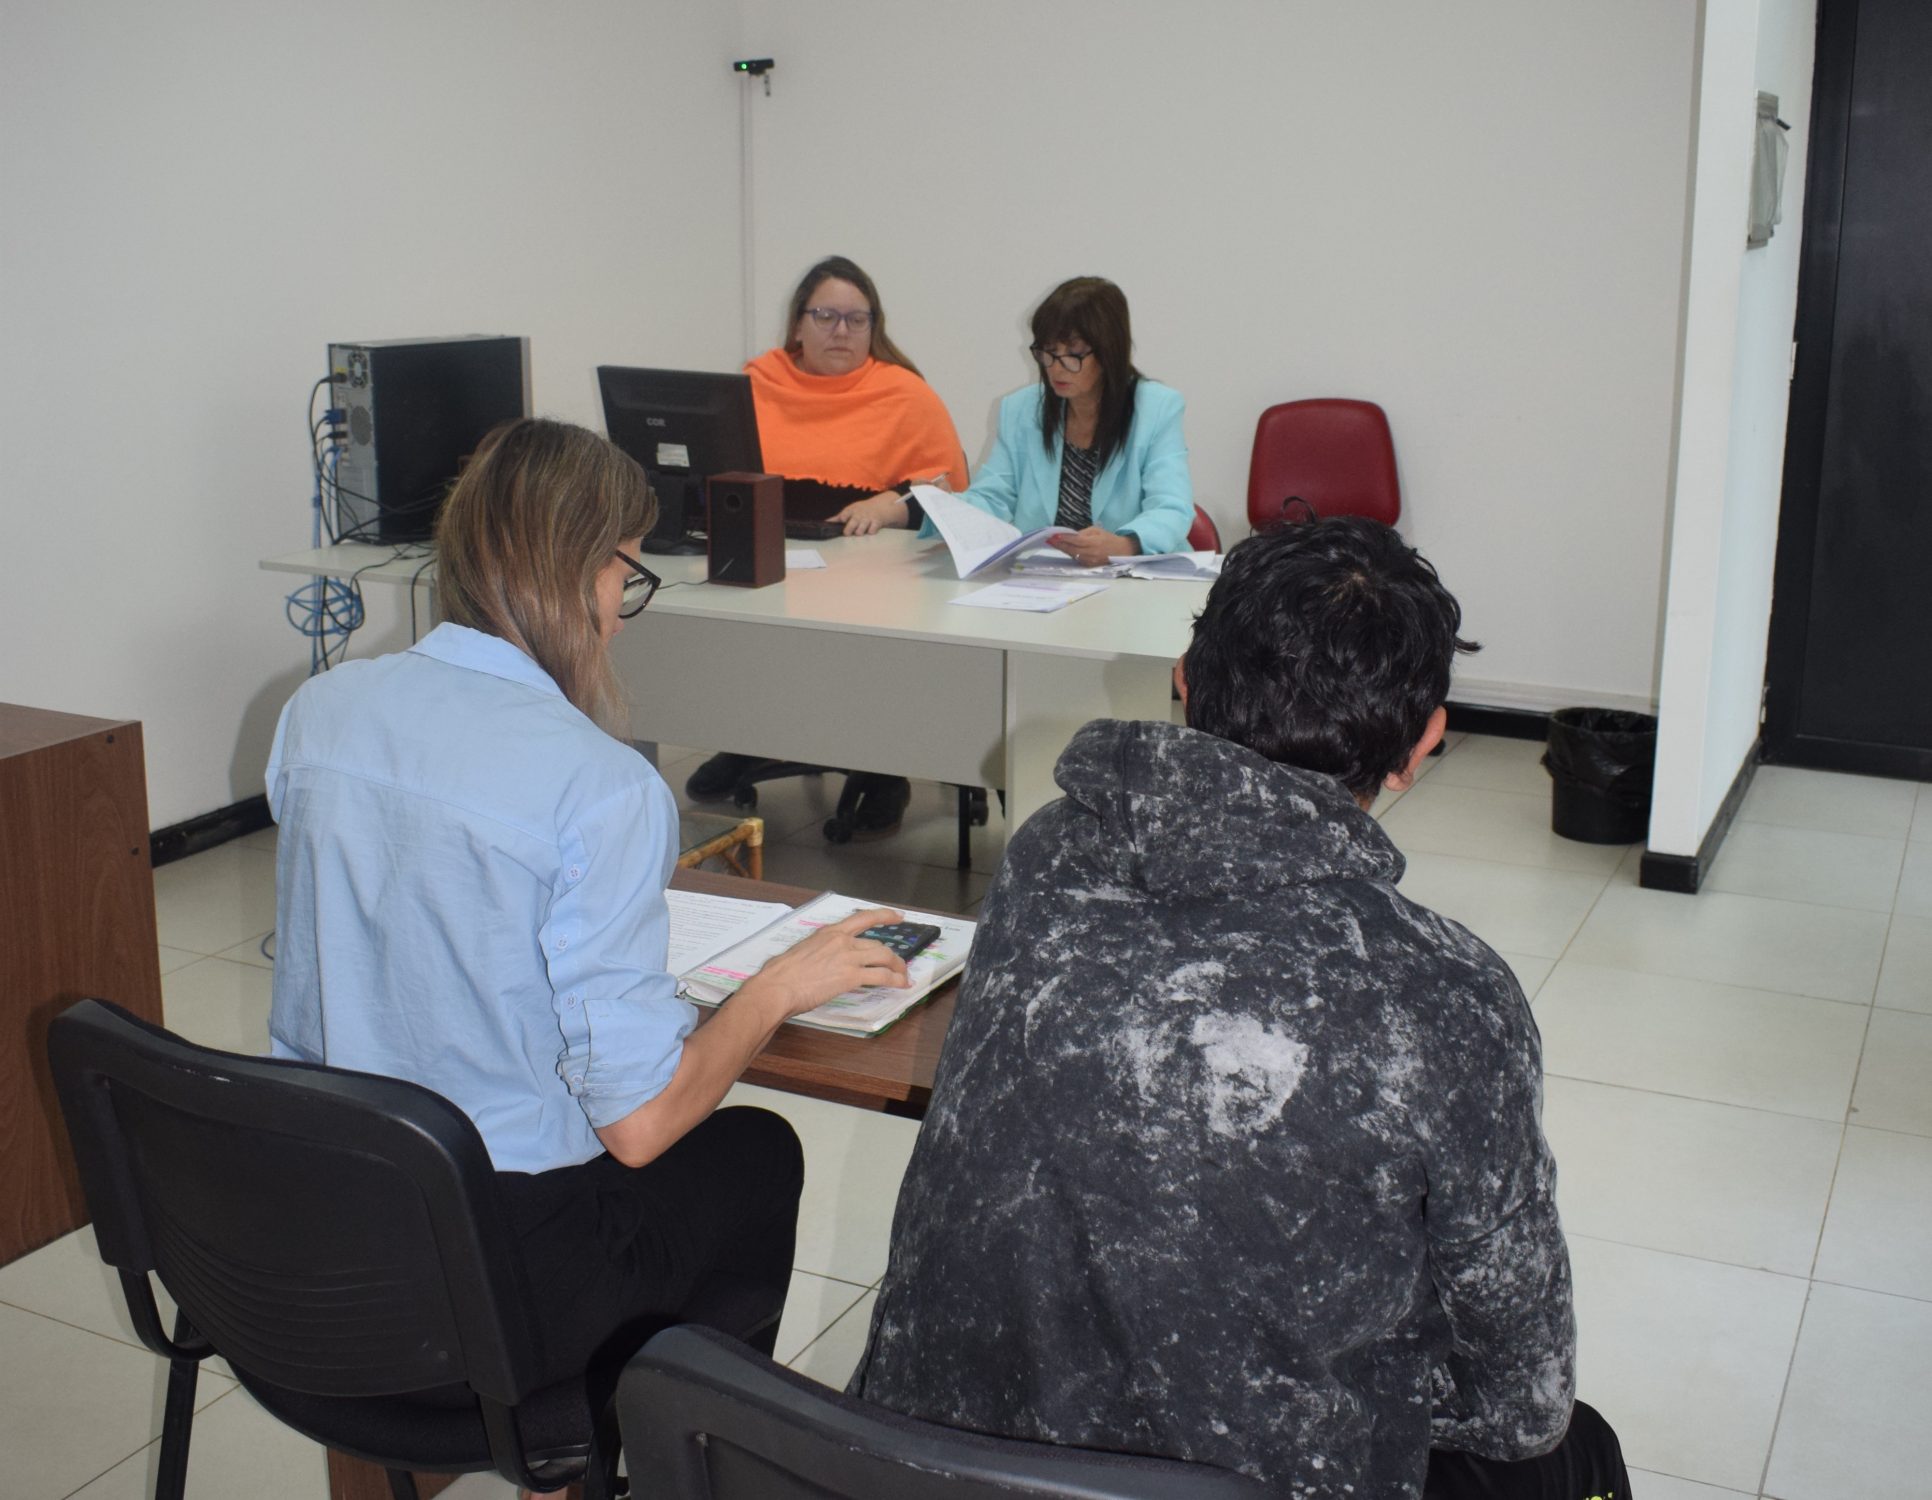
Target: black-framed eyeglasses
{"points": [[831, 317], [638, 588], [1070, 361]]}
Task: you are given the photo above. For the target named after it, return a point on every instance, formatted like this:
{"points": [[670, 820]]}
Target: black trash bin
{"points": [[1600, 762]]}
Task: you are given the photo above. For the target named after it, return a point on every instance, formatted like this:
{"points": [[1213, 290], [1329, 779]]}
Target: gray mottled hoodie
{"points": [[1234, 1153]]}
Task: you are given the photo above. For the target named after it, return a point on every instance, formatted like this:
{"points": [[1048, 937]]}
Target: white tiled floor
{"points": [[1739, 1097]]}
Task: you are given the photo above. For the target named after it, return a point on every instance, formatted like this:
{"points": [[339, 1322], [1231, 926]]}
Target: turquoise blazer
{"points": [[1143, 491]]}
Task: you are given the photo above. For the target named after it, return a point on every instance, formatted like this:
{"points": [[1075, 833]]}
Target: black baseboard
{"points": [[1684, 873], [1505, 723], [179, 840]]}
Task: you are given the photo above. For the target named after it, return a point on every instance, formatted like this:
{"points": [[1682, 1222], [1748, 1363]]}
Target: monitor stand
{"points": [[680, 516], [688, 545]]}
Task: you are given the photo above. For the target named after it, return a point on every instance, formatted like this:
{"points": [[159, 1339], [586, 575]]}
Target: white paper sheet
{"points": [[702, 926], [799, 558], [1036, 595]]}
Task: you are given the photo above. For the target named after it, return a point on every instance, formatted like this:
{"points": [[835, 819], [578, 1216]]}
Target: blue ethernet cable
{"points": [[325, 610]]}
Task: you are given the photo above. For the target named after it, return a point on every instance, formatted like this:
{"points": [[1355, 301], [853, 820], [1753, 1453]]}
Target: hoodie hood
{"points": [[1169, 809]]}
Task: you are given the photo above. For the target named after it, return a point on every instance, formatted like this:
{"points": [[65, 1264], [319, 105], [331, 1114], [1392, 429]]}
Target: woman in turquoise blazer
{"points": [[1096, 446]]}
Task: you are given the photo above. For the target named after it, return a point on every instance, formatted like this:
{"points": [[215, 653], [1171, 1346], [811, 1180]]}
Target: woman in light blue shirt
{"points": [[470, 888], [1095, 446]]}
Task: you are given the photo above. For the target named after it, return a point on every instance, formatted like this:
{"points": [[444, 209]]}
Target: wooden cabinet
{"points": [[76, 920]]}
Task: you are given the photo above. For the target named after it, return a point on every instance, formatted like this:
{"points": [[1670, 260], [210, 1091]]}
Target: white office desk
{"points": [[867, 664]]}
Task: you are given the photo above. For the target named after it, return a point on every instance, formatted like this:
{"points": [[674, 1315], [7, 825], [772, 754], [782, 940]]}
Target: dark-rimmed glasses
{"points": [[831, 317], [638, 588], [1070, 361]]}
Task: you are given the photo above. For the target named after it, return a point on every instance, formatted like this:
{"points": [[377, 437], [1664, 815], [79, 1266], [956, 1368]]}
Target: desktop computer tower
{"points": [[412, 411]]}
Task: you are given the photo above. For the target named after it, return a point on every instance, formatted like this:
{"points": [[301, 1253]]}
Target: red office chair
{"points": [[1203, 535], [1334, 453]]}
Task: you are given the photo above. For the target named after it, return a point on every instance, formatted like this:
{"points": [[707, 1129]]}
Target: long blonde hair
{"points": [[536, 515]]}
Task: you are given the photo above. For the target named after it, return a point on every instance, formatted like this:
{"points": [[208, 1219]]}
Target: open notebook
{"points": [[863, 1012]]}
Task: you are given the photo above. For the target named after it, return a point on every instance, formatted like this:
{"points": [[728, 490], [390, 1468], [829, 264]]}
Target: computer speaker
{"points": [[747, 529]]}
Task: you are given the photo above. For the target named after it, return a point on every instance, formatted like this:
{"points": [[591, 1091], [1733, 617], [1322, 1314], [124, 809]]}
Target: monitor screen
{"points": [[683, 426]]}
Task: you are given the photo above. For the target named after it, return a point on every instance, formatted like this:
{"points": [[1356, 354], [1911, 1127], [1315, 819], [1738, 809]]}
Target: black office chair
{"points": [[336, 1237], [709, 1419], [848, 816]]}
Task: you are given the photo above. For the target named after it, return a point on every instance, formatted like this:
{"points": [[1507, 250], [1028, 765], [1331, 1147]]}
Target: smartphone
{"points": [[907, 939]]}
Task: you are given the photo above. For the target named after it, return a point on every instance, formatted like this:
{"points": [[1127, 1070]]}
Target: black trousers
{"points": [[1586, 1465], [615, 1253]]}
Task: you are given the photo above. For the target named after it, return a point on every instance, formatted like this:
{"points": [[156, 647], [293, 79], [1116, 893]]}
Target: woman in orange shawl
{"points": [[840, 404], [842, 410]]}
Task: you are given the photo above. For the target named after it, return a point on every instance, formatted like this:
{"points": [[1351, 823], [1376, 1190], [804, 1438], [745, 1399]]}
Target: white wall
{"points": [[1474, 214], [1739, 313], [1471, 213], [199, 196]]}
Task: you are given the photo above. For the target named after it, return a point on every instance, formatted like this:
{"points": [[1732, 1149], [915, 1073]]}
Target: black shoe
{"points": [[882, 801], [717, 776]]}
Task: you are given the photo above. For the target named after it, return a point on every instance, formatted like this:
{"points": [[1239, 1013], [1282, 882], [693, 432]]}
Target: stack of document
{"points": [[1176, 565], [1052, 563], [977, 541], [861, 1012]]}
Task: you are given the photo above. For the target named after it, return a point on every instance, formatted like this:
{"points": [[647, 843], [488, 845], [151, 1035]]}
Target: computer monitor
{"points": [[683, 426]]}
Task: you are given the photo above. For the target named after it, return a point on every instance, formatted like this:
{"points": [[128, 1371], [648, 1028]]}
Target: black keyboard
{"points": [[813, 531]]}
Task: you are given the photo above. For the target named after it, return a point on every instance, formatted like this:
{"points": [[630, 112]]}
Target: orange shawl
{"points": [[873, 428]]}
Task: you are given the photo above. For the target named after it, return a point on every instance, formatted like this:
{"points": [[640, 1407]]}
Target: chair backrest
{"points": [[710, 1419], [1203, 535], [333, 1233], [1336, 454]]}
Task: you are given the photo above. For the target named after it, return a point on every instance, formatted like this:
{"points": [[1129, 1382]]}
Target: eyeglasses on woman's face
{"points": [[830, 317], [638, 588], [1069, 360]]}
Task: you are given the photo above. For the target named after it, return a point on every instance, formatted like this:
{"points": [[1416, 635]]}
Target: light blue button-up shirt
{"points": [[470, 895]]}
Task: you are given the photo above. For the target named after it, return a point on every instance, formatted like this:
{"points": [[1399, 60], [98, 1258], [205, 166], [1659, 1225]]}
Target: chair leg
{"points": [[601, 1480], [402, 1484], [600, 1474], [177, 1416], [965, 827], [177, 1423]]}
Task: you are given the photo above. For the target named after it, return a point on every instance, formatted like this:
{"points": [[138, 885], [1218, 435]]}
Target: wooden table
{"points": [[892, 1072]]}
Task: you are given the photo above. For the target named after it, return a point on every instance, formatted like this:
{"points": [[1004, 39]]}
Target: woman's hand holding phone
{"points": [[831, 961]]}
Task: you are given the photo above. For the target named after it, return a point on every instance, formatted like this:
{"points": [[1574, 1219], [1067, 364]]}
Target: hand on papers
{"points": [[833, 960], [874, 513], [1094, 546]]}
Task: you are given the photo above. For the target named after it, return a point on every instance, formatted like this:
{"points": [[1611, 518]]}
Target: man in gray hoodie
{"points": [[1234, 1154]]}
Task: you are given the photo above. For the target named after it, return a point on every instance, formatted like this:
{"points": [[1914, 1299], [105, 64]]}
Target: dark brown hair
{"points": [[838, 268], [535, 516], [1093, 310], [1327, 645]]}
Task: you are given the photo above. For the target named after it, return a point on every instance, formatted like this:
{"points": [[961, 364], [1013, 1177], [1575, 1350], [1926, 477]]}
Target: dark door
{"points": [[1850, 673]]}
